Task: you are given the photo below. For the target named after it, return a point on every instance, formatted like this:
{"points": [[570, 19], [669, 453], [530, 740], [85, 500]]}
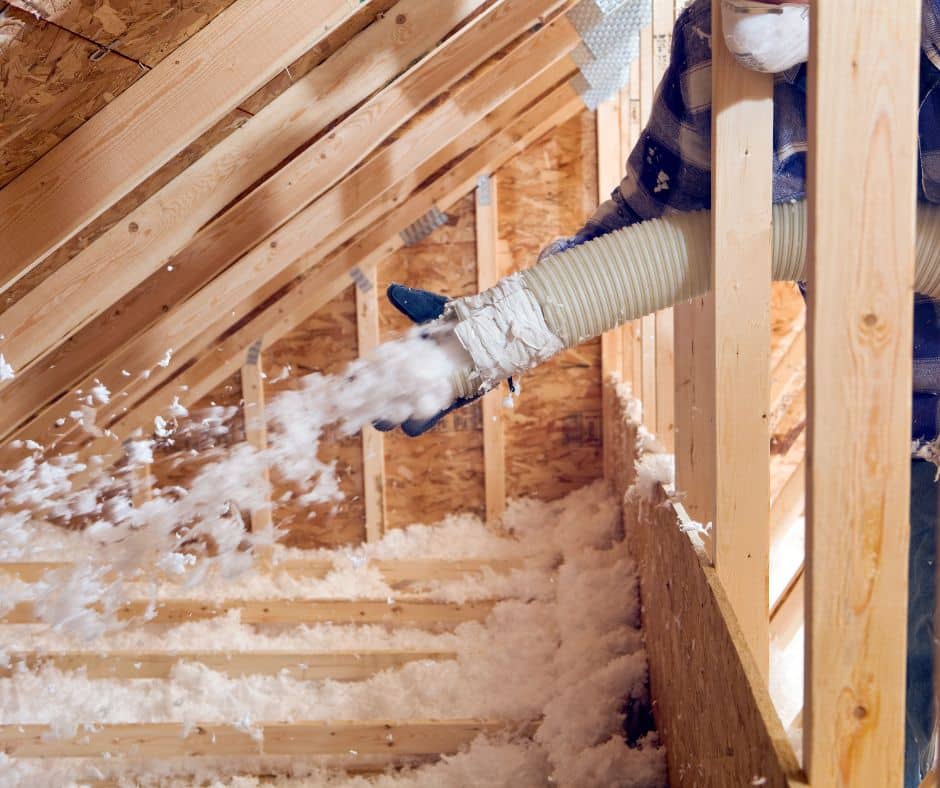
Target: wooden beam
{"points": [[861, 188], [665, 423], [256, 431], [646, 391], [373, 441], [152, 121], [180, 212], [628, 142], [607, 121], [488, 274], [398, 612], [175, 740], [330, 276], [299, 665], [739, 445]]}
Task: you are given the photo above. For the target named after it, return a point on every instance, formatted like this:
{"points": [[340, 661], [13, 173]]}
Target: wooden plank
{"points": [[147, 32], [152, 121], [299, 665], [739, 445], [373, 442], [174, 740], [156, 231], [607, 119], [663, 17], [862, 104], [488, 274], [331, 276], [293, 612], [646, 391], [256, 430]]}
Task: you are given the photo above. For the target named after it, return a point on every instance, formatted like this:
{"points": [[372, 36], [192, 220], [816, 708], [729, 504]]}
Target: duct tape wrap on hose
{"points": [[582, 292]]}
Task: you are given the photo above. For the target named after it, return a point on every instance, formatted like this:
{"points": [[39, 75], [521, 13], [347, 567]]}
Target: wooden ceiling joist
{"points": [[327, 277], [271, 261], [331, 276], [152, 121], [150, 236]]}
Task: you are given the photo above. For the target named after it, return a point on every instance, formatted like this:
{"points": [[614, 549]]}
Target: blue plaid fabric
{"points": [[669, 169]]}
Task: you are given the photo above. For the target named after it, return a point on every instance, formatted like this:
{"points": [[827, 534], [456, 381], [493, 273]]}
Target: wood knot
{"points": [[400, 19], [133, 227], [860, 712], [870, 319]]}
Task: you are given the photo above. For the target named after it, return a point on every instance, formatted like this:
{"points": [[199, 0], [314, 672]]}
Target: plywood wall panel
{"points": [[553, 435], [442, 471], [325, 342], [49, 85]]}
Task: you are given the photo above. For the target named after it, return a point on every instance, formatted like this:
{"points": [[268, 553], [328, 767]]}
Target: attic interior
{"points": [[200, 207]]}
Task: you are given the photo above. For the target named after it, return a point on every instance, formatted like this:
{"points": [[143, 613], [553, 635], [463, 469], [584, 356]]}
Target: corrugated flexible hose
{"points": [[626, 274]]}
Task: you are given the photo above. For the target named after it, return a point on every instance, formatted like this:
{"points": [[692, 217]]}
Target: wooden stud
{"points": [[327, 280], [299, 665], [151, 121], [173, 739], [739, 445], [646, 391], [256, 430], [67, 300], [397, 612], [663, 17], [634, 127], [488, 274], [373, 441], [861, 186], [607, 120]]}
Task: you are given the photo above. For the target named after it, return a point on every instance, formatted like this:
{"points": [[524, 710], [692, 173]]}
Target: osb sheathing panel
{"points": [[553, 435], [326, 343], [145, 30], [442, 471], [49, 85]]}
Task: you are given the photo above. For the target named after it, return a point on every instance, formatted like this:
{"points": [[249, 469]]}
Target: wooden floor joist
{"points": [[398, 573], [152, 120], [170, 739], [300, 665], [392, 612]]}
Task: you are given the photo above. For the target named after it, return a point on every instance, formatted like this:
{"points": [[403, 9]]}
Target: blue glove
{"points": [[420, 306]]}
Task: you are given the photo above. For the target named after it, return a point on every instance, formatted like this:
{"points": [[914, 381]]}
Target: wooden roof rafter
{"points": [[480, 95], [173, 218], [328, 276]]}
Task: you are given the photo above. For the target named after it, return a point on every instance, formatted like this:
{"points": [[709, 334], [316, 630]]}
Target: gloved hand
{"points": [[420, 306]]}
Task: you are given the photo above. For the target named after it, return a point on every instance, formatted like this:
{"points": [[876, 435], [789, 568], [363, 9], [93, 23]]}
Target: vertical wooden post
{"points": [[647, 386], [635, 126], [739, 446], [373, 441], [663, 18], [256, 433], [863, 92], [494, 449], [608, 176]]}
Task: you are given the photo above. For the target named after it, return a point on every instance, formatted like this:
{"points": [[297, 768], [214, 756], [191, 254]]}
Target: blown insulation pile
{"points": [[564, 647]]}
